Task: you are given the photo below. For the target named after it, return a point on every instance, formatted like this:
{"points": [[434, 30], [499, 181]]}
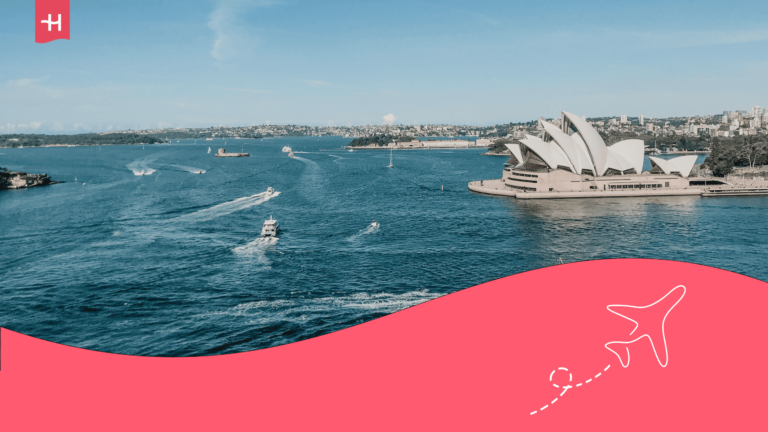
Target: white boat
{"points": [[351, 150], [270, 228], [291, 154], [270, 191], [209, 150], [287, 149], [374, 224], [198, 172], [209, 139], [390, 161]]}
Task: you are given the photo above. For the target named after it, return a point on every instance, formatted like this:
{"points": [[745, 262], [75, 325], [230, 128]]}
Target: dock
{"points": [[735, 192]]}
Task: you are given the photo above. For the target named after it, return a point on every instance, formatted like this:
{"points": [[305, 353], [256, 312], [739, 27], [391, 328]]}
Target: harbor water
{"points": [[155, 250]]}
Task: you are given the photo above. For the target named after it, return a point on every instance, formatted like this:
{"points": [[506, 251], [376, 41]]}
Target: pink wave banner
{"points": [[626, 345]]}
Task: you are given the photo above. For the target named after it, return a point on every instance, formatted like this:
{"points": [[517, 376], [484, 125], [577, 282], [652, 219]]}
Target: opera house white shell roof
{"points": [[577, 147], [681, 165]]}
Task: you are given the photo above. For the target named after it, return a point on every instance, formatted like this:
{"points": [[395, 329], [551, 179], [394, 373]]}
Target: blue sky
{"points": [[167, 63]]}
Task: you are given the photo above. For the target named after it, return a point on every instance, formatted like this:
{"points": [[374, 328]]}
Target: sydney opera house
{"points": [[573, 160]]}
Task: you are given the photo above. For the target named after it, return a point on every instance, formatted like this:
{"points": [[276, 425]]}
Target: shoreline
{"points": [[415, 148], [496, 187]]}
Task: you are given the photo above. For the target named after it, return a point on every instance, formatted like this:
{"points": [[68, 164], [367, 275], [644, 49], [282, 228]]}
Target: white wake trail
{"points": [[229, 207], [370, 229], [257, 249], [140, 167], [193, 170]]}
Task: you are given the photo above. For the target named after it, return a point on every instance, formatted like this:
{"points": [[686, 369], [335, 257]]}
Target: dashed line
{"points": [[566, 387]]}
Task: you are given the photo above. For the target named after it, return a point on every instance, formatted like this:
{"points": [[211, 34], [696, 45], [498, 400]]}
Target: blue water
{"points": [[171, 264]]}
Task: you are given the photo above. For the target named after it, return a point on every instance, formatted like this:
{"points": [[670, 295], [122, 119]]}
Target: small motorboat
{"points": [[291, 155], [374, 224], [270, 228], [270, 190], [287, 149], [198, 172]]}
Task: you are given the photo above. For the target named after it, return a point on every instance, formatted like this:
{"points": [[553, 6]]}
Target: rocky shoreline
{"points": [[22, 180]]}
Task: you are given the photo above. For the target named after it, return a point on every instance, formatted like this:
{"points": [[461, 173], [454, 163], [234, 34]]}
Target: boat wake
{"points": [[140, 167], [301, 309], [229, 207], [257, 249], [370, 229], [193, 170]]}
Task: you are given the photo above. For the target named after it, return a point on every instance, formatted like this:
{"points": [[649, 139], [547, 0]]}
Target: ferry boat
{"points": [[270, 228], [287, 149]]}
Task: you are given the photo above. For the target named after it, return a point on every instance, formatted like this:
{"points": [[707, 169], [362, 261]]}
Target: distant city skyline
{"points": [[169, 63]]}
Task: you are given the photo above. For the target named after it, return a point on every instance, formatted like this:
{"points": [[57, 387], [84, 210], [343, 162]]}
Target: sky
{"points": [[137, 64]]}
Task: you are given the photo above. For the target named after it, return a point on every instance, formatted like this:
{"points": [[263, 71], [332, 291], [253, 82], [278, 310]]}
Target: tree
{"points": [[752, 149]]}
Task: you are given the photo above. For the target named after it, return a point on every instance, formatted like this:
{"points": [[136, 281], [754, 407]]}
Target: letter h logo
{"points": [[46, 29], [49, 22]]}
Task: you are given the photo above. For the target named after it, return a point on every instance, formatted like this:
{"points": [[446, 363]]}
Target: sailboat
{"points": [[209, 150], [390, 159]]}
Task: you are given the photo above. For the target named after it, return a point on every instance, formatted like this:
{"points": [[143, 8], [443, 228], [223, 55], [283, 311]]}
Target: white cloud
{"points": [[231, 35], [20, 127], [389, 118], [25, 82]]}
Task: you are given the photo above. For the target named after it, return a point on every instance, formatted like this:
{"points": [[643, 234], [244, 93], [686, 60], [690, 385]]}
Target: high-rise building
{"points": [[757, 114], [624, 118], [642, 120]]}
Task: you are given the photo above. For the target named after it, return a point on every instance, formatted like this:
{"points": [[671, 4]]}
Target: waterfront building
{"points": [[573, 160]]}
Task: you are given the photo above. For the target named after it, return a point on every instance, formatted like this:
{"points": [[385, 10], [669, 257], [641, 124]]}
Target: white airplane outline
{"points": [[663, 335]]}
